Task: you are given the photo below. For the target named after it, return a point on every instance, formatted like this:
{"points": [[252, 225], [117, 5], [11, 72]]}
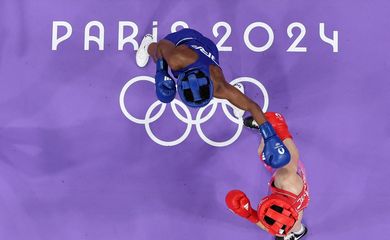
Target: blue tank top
{"points": [[206, 50]]}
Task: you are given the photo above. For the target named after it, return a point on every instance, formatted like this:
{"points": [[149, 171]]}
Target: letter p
{"points": [[55, 40]]}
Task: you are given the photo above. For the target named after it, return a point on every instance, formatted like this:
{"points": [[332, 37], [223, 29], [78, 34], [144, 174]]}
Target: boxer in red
{"points": [[281, 212]]}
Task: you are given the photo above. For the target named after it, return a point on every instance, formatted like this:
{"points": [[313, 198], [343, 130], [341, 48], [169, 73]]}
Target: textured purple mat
{"points": [[72, 166]]}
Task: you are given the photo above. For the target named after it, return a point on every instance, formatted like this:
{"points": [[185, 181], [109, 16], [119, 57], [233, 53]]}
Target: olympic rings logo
{"points": [[187, 119]]}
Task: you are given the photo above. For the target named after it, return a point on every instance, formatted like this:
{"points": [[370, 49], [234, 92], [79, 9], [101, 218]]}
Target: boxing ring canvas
{"points": [[86, 152]]}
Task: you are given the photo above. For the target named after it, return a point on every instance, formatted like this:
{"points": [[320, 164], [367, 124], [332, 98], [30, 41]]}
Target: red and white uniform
{"points": [[301, 200]]}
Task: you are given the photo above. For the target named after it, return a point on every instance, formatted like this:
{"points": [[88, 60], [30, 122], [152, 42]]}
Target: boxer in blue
{"points": [[194, 61]]}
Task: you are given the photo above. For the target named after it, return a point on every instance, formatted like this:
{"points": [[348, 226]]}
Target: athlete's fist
{"points": [[165, 86], [239, 203], [279, 124], [275, 152]]}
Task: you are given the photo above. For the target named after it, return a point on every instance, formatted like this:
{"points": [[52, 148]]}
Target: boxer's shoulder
{"points": [[216, 72], [179, 57], [288, 180], [183, 51]]}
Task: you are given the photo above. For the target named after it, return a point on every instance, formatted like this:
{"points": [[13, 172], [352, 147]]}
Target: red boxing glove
{"points": [[279, 124], [239, 203]]}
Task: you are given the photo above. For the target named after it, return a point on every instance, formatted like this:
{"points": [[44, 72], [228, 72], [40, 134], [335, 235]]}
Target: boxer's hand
{"points": [[279, 124], [239, 203], [275, 152], [165, 86], [165, 89]]}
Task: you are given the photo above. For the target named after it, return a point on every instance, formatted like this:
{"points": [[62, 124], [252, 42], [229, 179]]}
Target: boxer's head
{"points": [[277, 214], [195, 87]]}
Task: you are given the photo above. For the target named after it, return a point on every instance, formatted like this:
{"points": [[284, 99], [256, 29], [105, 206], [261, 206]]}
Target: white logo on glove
{"points": [[246, 206], [281, 150]]}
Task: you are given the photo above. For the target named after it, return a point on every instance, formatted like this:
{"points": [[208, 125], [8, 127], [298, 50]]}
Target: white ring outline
{"points": [[123, 106], [258, 84], [188, 120], [212, 142], [173, 142]]}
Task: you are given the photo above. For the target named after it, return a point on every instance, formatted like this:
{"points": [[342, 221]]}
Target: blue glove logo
{"points": [[280, 148]]}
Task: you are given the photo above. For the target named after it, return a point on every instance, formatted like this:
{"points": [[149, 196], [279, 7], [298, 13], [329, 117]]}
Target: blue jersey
{"points": [[204, 47]]}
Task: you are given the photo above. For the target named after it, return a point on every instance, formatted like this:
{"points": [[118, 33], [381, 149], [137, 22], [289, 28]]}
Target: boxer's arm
{"points": [[224, 90], [292, 166], [239, 204]]}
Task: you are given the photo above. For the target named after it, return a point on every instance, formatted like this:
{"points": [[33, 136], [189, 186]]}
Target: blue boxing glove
{"points": [[165, 86], [275, 152]]}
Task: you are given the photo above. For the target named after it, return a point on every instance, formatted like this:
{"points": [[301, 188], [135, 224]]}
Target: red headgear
{"points": [[277, 214]]}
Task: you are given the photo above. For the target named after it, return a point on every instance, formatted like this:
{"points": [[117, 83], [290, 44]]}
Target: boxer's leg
{"points": [[298, 231], [298, 226]]}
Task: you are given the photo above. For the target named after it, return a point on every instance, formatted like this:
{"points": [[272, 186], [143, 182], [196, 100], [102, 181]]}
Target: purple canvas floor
{"points": [[73, 166]]}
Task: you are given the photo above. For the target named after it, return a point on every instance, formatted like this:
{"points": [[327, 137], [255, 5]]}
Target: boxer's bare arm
{"points": [[224, 90], [286, 178], [298, 224], [176, 57], [292, 166]]}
